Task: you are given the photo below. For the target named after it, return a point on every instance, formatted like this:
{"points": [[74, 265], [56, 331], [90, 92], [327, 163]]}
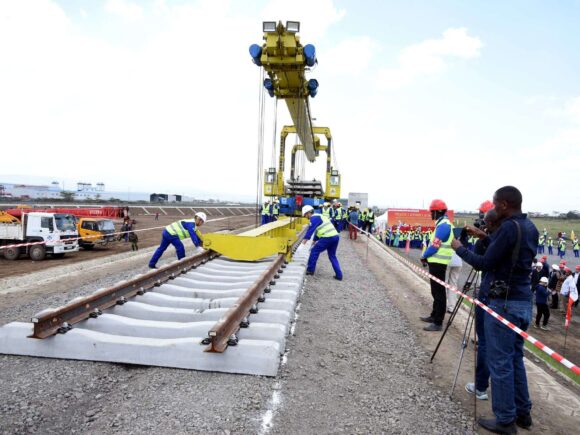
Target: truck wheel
{"points": [[87, 246], [11, 253], [59, 255], [37, 252]]}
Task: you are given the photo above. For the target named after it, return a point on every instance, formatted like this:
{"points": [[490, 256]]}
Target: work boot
{"points": [[524, 421], [427, 319], [337, 278], [433, 327], [309, 273], [152, 267], [492, 425]]}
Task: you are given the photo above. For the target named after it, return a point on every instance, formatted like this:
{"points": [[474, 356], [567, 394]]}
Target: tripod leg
{"points": [[449, 322], [466, 334]]}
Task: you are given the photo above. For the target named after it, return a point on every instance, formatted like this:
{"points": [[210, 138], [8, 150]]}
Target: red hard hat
{"points": [[578, 267], [486, 206], [437, 205]]}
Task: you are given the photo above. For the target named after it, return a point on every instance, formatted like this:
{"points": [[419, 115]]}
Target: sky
{"points": [[446, 99]]}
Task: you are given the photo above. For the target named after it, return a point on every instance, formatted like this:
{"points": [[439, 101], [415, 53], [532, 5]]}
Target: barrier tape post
{"points": [[538, 344]]}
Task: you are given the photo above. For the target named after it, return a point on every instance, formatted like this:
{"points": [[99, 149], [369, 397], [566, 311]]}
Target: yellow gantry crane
{"points": [[286, 61]]}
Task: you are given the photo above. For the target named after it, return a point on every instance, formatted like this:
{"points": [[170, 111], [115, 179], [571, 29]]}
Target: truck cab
{"points": [[94, 231], [54, 233]]}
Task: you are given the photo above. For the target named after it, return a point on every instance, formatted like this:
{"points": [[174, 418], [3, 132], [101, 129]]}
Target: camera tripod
{"points": [[471, 283]]}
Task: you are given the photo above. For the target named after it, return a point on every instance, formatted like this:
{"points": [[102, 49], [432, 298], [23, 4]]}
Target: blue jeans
{"points": [[166, 240], [482, 369], [329, 244], [265, 219], [505, 351]]}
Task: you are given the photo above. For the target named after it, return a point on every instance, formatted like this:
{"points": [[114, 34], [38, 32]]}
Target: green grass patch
{"points": [[552, 362], [545, 357]]}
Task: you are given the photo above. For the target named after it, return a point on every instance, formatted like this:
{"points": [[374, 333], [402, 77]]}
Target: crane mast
{"points": [[286, 61]]}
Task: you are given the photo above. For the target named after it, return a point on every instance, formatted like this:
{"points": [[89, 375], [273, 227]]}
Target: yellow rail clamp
{"points": [[264, 241]]}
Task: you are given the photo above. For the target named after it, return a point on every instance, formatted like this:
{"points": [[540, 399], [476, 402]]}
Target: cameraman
{"points": [[487, 226], [511, 297]]}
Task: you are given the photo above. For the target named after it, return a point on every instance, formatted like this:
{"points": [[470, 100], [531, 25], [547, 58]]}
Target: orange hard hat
{"points": [[437, 205], [486, 206]]}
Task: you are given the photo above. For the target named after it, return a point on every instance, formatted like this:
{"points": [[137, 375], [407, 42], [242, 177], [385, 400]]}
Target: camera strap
{"points": [[515, 254]]}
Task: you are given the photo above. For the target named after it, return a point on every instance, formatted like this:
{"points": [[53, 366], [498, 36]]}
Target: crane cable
{"points": [[260, 157], [273, 163]]}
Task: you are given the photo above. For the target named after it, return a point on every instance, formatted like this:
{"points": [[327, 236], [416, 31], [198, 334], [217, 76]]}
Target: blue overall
{"points": [[322, 244], [169, 239]]}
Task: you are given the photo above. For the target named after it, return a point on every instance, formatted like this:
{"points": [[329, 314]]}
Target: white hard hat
{"points": [[544, 280], [307, 209], [555, 267], [201, 215]]}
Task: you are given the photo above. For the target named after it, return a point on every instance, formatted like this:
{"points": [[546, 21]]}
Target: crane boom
{"points": [[286, 61]]}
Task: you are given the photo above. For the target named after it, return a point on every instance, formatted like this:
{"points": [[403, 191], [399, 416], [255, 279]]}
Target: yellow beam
{"points": [[264, 241]]}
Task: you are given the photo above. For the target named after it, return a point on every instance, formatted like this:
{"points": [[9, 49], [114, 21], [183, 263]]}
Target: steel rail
{"points": [[223, 332], [50, 322]]}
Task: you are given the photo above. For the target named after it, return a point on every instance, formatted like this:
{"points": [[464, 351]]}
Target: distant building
{"points": [[88, 191], [362, 199], [12, 190], [164, 197]]}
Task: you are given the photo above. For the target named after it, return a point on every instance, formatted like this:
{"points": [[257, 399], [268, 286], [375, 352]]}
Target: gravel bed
{"points": [[355, 366]]}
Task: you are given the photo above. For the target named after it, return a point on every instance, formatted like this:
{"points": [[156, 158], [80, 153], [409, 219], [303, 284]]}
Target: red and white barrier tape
{"points": [[98, 236], [555, 355]]}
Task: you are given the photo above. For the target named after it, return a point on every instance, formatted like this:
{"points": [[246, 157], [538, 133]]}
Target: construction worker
{"points": [[326, 209], [363, 219], [562, 248], [576, 247], [550, 246], [174, 233], [370, 220], [266, 212], [275, 210], [437, 256], [541, 243], [344, 217], [326, 238]]}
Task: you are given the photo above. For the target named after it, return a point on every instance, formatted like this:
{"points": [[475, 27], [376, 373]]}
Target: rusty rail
{"points": [[48, 323], [220, 334]]}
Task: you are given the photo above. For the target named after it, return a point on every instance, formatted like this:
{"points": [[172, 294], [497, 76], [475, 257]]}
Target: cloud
{"points": [[125, 9], [315, 16], [429, 58], [351, 56]]}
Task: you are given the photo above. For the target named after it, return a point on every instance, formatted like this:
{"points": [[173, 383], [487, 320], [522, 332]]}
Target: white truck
{"points": [[57, 231]]}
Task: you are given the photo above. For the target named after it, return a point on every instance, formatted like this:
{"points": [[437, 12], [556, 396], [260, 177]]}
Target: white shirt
{"points": [[569, 288], [455, 261]]}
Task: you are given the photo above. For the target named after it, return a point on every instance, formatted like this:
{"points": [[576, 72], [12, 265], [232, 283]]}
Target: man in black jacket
{"points": [[511, 297]]}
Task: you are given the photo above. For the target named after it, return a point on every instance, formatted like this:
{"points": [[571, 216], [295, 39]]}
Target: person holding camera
{"points": [[508, 260], [487, 226], [437, 256]]}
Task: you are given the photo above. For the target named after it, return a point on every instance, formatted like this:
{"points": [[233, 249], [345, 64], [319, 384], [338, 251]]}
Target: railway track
{"points": [[204, 312]]}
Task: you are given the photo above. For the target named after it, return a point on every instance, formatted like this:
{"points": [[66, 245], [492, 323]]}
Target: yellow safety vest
{"points": [[265, 209], [176, 229], [326, 211], [326, 229], [275, 209], [443, 255]]}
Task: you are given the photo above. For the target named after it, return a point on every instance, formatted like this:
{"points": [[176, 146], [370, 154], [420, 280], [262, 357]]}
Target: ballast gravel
{"points": [[353, 366]]}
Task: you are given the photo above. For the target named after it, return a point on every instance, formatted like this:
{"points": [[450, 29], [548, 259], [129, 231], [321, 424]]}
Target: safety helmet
{"points": [[578, 267], [307, 209], [201, 215], [555, 267], [544, 280], [486, 206], [326, 204], [437, 205]]}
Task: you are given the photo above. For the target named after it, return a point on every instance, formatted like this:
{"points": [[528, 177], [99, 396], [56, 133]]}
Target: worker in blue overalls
{"points": [[326, 238], [174, 233]]}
